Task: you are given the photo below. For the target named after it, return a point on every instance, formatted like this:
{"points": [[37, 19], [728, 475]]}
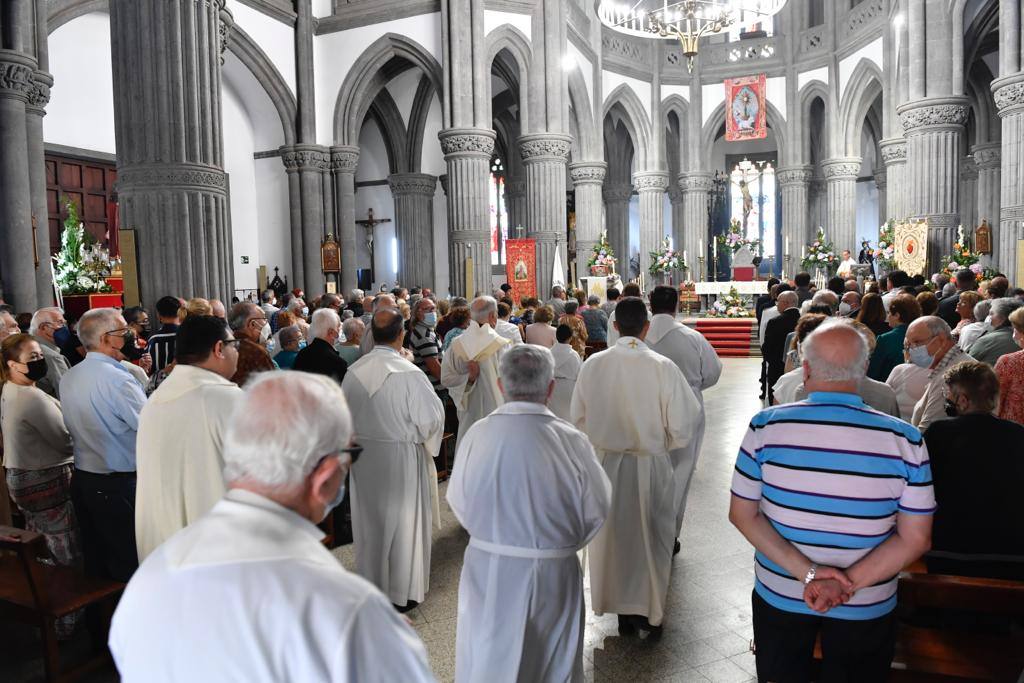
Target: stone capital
{"points": [[893, 150], [515, 188], [935, 113], [39, 93], [794, 175], [1008, 93], [588, 172], [443, 179], [344, 158], [16, 75], [881, 178], [467, 142], [968, 169], [675, 194], [988, 155], [544, 147], [617, 193], [412, 183], [178, 176], [695, 181], [306, 158], [227, 21], [842, 168], [650, 181]]}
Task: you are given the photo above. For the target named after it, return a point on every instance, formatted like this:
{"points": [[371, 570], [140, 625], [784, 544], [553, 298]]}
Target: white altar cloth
{"points": [[721, 288]]}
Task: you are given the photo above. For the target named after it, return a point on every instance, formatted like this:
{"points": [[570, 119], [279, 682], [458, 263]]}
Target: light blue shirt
{"points": [[101, 402]]}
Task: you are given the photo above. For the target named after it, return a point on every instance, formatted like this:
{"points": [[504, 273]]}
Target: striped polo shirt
{"points": [[831, 474], [425, 345]]}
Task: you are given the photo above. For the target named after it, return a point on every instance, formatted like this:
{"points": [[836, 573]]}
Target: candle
{"points": [[700, 246], [787, 244], [803, 252], [684, 256]]}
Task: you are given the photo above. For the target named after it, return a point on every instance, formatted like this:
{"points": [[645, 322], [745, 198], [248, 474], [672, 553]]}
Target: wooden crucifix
{"points": [[369, 223]]}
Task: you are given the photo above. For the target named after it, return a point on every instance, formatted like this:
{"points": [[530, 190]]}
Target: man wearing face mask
{"points": [[929, 344], [249, 323], [293, 612], [426, 349], [101, 403], [849, 306], [46, 322]]}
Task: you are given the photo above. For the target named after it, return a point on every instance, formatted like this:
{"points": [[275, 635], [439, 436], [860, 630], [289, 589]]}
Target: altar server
{"points": [[248, 592], [567, 369], [697, 360], [470, 367], [635, 407], [521, 592], [399, 422]]}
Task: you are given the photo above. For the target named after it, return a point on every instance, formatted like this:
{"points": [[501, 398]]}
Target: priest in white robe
{"points": [[567, 369], [399, 421], [521, 592], [248, 592], [469, 369], [700, 365], [181, 433], [635, 407]]}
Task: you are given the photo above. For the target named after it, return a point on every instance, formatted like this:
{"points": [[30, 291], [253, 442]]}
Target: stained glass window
{"points": [[498, 219]]}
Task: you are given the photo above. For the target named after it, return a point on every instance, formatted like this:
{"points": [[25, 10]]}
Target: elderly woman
{"points": [[903, 310], [459, 319], [965, 309], [540, 331], [1010, 371], [578, 327], [300, 314], [288, 341], [872, 314], [929, 304]]}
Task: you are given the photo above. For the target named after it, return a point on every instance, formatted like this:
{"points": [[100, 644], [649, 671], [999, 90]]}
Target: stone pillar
{"points": [[676, 199], [544, 158], [587, 179], [309, 162], [36, 110], [467, 153], [881, 184], [794, 182], [968, 192], [894, 156], [696, 187], [650, 185], [934, 128], [171, 184], [616, 210], [344, 159], [515, 204], [414, 227], [1009, 97], [988, 161], [841, 185]]}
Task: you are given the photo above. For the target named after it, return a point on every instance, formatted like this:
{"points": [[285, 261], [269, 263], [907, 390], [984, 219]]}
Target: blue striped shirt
{"points": [[831, 474]]}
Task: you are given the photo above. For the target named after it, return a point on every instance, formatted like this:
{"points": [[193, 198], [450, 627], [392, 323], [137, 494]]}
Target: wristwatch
{"points": [[810, 573]]}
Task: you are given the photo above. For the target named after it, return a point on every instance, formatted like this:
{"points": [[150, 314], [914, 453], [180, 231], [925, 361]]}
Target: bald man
{"points": [[378, 302], [773, 348]]}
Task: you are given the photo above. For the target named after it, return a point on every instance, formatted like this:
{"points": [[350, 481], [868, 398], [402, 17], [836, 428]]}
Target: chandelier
{"points": [[685, 20]]}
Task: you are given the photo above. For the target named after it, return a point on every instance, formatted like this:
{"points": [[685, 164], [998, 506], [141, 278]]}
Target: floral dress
{"points": [[1010, 371]]}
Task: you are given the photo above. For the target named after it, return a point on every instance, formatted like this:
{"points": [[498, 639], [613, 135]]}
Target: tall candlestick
{"points": [[700, 245], [787, 244]]}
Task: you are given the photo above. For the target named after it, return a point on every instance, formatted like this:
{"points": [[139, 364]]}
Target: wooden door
{"points": [[89, 184]]}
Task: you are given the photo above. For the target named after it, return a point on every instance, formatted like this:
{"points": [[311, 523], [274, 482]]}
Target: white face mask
{"points": [[844, 308], [265, 333]]}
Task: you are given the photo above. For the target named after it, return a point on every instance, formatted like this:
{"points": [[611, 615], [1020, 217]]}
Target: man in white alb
{"points": [[697, 360], [635, 407], [521, 591], [248, 592], [399, 421], [846, 264], [567, 369], [469, 369]]}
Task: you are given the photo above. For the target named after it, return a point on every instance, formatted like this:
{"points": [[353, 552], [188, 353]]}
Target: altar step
{"points": [[730, 337]]}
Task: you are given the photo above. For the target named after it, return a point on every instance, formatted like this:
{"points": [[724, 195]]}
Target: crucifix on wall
{"points": [[368, 224]]}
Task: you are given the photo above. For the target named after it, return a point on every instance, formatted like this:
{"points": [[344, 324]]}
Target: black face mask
{"points": [[131, 350], [36, 369], [951, 409]]}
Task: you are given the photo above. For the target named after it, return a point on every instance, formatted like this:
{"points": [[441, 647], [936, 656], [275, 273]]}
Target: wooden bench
{"points": [[39, 594]]}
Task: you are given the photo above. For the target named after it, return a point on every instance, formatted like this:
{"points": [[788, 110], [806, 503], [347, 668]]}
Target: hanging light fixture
{"points": [[686, 20]]}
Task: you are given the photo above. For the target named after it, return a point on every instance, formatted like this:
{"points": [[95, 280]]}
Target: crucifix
{"points": [[368, 224]]}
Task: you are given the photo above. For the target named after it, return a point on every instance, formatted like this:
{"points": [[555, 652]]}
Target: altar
{"points": [[742, 287], [598, 285]]}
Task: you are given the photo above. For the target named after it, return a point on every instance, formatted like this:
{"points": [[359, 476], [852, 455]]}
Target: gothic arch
{"points": [[863, 88], [583, 114], [417, 123], [812, 90], [675, 104], [708, 135], [636, 121], [388, 56], [384, 112], [515, 68]]}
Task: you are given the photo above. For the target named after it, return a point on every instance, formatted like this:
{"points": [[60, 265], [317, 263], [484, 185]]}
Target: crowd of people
{"points": [[195, 459]]}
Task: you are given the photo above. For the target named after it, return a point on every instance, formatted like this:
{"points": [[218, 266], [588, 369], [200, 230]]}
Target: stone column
{"points": [[515, 204], [36, 110], [544, 158], [616, 210], [467, 153], [968, 192], [1009, 97], [587, 179], [894, 156], [841, 185], [650, 185], [677, 198], [414, 226], [696, 187], [171, 184], [309, 162], [988, 161], [794, 182], [344, 159], [934, 129]]}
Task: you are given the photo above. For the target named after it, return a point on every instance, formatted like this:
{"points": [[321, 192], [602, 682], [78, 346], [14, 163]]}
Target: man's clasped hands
{"points": [[830, 587]]}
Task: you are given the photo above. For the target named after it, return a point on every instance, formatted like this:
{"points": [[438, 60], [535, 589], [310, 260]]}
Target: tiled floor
{"points": [[707, 628]]}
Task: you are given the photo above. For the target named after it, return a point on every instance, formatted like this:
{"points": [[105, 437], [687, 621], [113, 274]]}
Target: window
{"points": [[752, 198], [498, 215]]}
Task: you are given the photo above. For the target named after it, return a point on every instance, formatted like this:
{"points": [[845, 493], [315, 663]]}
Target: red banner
{"points": [[745, 109], [521, 268]]}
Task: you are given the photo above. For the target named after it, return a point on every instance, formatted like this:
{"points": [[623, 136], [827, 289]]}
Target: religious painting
{"points": [[912, 247], [746, 113], [983, 238], [330, 255], [521, 268]]}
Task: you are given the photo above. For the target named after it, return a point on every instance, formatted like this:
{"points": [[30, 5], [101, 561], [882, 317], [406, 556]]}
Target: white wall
{"points": [[238, 164], [373, 165], [274, 37], [81, 109]]}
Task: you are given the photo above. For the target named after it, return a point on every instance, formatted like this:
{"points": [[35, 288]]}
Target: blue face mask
{"points": [[305, 311], [62, 336], [340, 496], [430, 319], [920, 357]]}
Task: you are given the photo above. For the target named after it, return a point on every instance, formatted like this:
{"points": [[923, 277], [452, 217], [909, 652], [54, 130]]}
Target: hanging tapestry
{"points": [[521, 268], [745, 114]]}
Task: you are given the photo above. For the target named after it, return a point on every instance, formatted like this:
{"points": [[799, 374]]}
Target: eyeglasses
{"points": [[119, 332], [353, 452], [232, 342]]}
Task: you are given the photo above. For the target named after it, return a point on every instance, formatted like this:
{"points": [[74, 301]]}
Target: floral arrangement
{"points": [[602, 256], [729, 306], [962, 257], [885, 254], [81, 265], [665, 260], [819, 254], [734, 239]]}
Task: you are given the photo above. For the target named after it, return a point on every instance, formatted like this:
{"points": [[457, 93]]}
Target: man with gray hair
{"points": [[773, 346], [45, 323], [101, 402], [469, 369], [319, 356], [557, 300], [352, 329], [836, 499], [999, 340], [929, 344], [521, 582], [293, 612], [379, 302], [970, 332]]}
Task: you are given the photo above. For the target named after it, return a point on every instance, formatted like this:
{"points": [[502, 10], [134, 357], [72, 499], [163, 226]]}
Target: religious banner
{"points": [[330, 255], [745, 114], [521, 268], [912, 247], [983, 238]]}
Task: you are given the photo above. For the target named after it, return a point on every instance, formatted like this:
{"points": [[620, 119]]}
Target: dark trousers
{"points": [[852, 651], [105, 505]]}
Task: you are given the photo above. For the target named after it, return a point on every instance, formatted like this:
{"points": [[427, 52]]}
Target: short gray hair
{"points": [[593, 300], [241, 312], [96, 323], [323, 321], [283, 425], [351, 326], [482, 308], [827, 365], [982, 309], [825, 297], [526, 373], [937, 327], [40, 317], [1002, 308], [356, 295], [789, 297]]}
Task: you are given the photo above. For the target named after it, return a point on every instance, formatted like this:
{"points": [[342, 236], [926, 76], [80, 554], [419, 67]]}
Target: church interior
{"points": [[400, 155]]}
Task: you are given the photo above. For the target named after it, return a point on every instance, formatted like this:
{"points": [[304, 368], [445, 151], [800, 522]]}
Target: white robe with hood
{"points": [[473, 401], [567, 369]]}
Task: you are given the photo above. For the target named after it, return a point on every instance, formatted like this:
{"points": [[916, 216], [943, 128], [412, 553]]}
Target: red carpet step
{"points": [[730, 337]]}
